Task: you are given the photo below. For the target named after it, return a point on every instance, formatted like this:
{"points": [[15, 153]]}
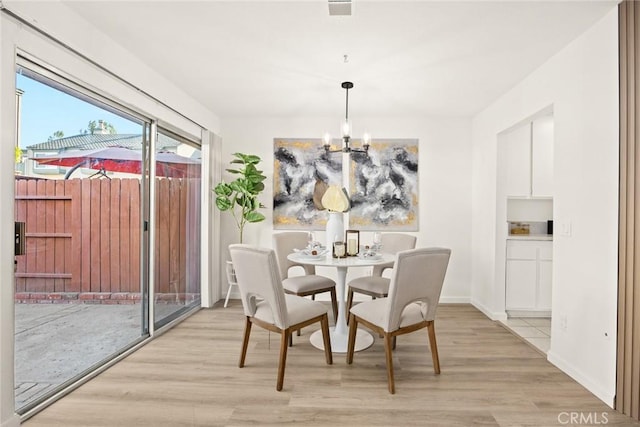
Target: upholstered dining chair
{"points": [[310, 284], [414, 292], [265, 304], [375, 285]]}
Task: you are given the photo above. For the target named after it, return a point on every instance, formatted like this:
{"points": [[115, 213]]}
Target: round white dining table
{"points": [[339, 332]]}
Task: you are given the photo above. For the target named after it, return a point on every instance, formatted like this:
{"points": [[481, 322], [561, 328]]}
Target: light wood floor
{"points": [[190, 377]]}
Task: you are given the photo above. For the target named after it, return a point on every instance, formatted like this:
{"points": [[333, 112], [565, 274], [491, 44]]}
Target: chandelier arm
{"points": [[326, 150]]}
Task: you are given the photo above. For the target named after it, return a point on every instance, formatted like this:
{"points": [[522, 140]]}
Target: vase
{"points": [[335, 228]]}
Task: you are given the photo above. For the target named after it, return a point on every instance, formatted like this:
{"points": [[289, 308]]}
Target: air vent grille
{"points": [[339, 7]]}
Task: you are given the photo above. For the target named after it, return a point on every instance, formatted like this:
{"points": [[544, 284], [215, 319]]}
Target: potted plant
{"points": [[240, 196]]}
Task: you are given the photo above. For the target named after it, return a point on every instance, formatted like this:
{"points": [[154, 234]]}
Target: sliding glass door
{"points": [[79, 191], [177, 226], [109, 205]]}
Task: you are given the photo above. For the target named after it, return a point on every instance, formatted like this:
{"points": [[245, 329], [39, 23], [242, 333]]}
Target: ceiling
{"points": [[287, 58]]}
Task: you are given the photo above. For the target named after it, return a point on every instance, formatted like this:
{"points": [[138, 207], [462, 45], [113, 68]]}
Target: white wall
{"points": [[581, 82], [74, 31], [444, 187]]}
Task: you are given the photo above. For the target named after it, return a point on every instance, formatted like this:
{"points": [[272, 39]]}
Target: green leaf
{"points": [[247, 158], [243, 201], [237, 186], [255, 178], [222, 189], [254, 217], [258, 187], [223, 203], [252, 159], [254, 204]]}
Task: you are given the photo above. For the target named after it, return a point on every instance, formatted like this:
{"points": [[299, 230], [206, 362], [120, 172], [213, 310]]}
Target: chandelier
{"points": [[346, 132]]}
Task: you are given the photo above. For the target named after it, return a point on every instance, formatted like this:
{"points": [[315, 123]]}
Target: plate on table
{"points": [[308, 253], [369, 257]]}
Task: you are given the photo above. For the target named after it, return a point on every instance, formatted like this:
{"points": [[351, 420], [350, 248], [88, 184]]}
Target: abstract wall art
{"points": [[301, 169], [384, 186]]}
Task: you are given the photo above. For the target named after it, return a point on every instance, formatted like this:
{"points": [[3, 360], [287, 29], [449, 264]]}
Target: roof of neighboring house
{"points": [[96, 141]]}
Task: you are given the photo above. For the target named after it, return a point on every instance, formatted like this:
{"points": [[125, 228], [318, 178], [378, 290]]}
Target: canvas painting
{"points": [[384, 187], [301, 169]]}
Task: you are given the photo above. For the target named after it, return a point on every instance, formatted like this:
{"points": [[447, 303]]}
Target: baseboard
{"points": [[606, 396], [235, 294], [454, 300], [528, 313], [13, 421], [485, 310]]}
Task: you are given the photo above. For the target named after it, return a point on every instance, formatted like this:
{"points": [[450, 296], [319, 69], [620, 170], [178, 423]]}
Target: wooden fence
{"points": [[83, 239]]}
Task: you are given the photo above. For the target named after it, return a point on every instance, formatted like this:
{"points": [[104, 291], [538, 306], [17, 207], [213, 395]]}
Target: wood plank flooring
{"points": [[190, 377]]}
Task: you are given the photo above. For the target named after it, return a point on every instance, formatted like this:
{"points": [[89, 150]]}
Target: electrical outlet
{"points": [[563, 323], [565, 229]]}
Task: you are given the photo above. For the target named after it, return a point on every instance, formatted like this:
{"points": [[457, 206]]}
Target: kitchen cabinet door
{"points": [[544, 285], [528, 275], [517, 156], [521, 278], [542, 157]]}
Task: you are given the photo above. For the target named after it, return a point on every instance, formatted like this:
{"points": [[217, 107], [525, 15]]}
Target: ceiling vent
{"points": [[339, 7]]}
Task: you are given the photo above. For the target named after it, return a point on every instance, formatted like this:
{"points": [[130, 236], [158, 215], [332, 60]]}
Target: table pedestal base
{"points": [[339, 342]]}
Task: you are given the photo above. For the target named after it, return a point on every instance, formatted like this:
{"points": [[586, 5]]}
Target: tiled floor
{"points": [[535, 330]]}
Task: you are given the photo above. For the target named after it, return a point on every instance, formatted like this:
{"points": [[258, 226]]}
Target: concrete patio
{"points": [[55, 342]]}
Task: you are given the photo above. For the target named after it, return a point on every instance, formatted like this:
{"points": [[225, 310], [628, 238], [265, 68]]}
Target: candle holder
{"points": [[352, 238], [339, 250]]}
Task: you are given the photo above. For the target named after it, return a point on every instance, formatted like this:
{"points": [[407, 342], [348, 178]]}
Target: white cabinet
{"points": [[542, 157], [517, 160], [528, 276], [527, 154], [544, 285]]}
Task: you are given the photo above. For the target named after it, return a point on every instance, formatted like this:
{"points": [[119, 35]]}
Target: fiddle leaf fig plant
{"points": [[240, 196]]}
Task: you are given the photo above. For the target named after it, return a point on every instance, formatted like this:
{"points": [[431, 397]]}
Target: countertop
{"points": [[530, 237]]}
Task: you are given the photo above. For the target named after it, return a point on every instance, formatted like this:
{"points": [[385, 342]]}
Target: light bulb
{"points": [[326, 140], [366, 140]]}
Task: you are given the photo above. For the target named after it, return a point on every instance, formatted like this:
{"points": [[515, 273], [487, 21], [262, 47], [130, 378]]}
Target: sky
{"points": [[46, 110]]}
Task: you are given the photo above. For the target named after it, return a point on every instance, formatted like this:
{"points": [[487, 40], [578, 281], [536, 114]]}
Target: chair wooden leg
{"points": [[394, 342], [245, 342], [389, 359], [284, 340], [351, 344], [324, 323], [334, 306], [349, 304], [434, 347]]}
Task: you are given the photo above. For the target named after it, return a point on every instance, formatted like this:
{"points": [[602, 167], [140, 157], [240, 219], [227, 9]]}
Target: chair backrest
{"points": [[258, 277], [392, 243], [284, 244], [418, 276]]}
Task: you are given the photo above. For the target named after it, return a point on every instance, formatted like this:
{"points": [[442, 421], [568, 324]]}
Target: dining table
{"points": [[339, 332]]}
